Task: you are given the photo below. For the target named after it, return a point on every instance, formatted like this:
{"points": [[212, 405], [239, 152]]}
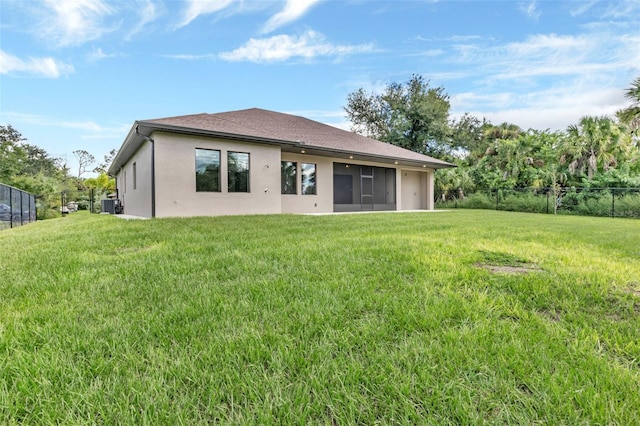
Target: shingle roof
{"points": [[263, 125]]}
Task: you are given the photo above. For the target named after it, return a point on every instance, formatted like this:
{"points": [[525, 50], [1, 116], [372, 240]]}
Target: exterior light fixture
{"points": [[395, 162], [302, 151], [351, 157]]}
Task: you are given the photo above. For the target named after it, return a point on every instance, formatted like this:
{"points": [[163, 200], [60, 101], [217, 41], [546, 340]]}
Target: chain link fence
{"points": [[17, 207], [611, 202]]}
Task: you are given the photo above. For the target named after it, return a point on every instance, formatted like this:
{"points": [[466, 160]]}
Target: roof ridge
{"points": [[299, 117], [153, 120], [240, 123]]}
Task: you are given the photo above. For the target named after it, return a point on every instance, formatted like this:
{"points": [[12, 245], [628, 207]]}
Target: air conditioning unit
{"points": [[109, 206]]}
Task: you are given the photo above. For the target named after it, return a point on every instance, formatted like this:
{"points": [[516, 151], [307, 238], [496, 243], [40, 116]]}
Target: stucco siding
{"points": [[322, 201], [416, 189], [175, 181], [134, 183], [176, 178]]}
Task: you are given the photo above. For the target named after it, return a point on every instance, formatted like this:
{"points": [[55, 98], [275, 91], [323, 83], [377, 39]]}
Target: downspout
{"points": [[153, 171]]}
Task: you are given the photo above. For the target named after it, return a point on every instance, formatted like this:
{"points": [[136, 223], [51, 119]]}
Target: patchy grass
{"points": [[350, 319]]}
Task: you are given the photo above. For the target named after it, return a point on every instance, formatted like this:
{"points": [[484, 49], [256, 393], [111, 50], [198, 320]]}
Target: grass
{"points": [[350, 319]]}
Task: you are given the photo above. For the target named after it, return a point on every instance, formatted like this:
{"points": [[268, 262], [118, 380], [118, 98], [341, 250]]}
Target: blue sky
{"points": [[75, 74]]}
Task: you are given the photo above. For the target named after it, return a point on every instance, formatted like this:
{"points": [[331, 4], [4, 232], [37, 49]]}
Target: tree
{"points": [[38, 161], [11, 154], [503, 131], [412, 115], [593, 143], [101, 182], [467, 137], [453, 183], [85, 160], [631, 115], [108, 159]]}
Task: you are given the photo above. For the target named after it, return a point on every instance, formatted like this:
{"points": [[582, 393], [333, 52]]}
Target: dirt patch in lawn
{"points": [[506, 263], [508, 269], [633, 288]]}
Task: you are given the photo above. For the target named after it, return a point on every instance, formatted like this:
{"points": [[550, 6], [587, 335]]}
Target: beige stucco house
{"points": [[256, 161]]}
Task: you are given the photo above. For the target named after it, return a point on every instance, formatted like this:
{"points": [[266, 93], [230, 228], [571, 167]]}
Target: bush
{"points": [[576, 201], [478, 200], [526, 202], [628, 205]]}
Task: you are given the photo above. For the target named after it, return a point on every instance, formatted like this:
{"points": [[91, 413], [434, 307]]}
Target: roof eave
{"points": [[130, 145], [143, 129], [364, 156]]}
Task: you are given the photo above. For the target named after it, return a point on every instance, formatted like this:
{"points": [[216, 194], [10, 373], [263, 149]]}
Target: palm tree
{"points": [[631, 115], [503, 131], [593, 141]]}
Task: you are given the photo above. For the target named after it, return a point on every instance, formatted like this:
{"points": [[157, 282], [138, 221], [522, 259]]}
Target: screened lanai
{"points": [[357, 188]]}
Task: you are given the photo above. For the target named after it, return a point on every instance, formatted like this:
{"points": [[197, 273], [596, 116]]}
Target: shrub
{"points": [[526, 202], [577, 201]]}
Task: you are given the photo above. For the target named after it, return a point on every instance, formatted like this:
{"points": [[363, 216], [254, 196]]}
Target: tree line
{"points": [[32, 169], [597, 151]]}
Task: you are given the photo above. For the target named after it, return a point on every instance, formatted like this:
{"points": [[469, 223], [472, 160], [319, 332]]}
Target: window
{"points": [[207, 170], [308, 172], [134, 176], [288, 179], [238, 171]]}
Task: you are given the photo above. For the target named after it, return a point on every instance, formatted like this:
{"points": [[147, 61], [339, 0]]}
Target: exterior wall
{"points": [[176, 178], [175, 181], [322, 202], [416, 189], [430, 194], [136, 202]]}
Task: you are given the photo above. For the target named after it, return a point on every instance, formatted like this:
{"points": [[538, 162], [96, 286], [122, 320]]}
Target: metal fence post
{"points": [[613, 202], [547, 201], [11, 207]]}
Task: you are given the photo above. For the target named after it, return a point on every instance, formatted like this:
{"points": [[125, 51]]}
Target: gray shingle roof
{"points": [[263, 125]]}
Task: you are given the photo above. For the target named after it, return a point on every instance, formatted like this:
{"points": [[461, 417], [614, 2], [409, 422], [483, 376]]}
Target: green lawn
{"points": [[412, 318]]}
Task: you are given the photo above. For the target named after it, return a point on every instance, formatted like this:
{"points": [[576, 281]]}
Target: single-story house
{"points": [[256, 161]]}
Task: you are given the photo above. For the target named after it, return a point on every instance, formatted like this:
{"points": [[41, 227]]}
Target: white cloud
{"points": [[554, 108], [283, 47], [190, 57], [196, 8], [470, 100], [429, 53], [548, 55], [148, 12], [623, 9], [98, 54], [453, 38], [293, 9], [548, 80], [42, 67], [545, 43], [95, 130], [582, 7], [531, 10], [73, 22]]}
